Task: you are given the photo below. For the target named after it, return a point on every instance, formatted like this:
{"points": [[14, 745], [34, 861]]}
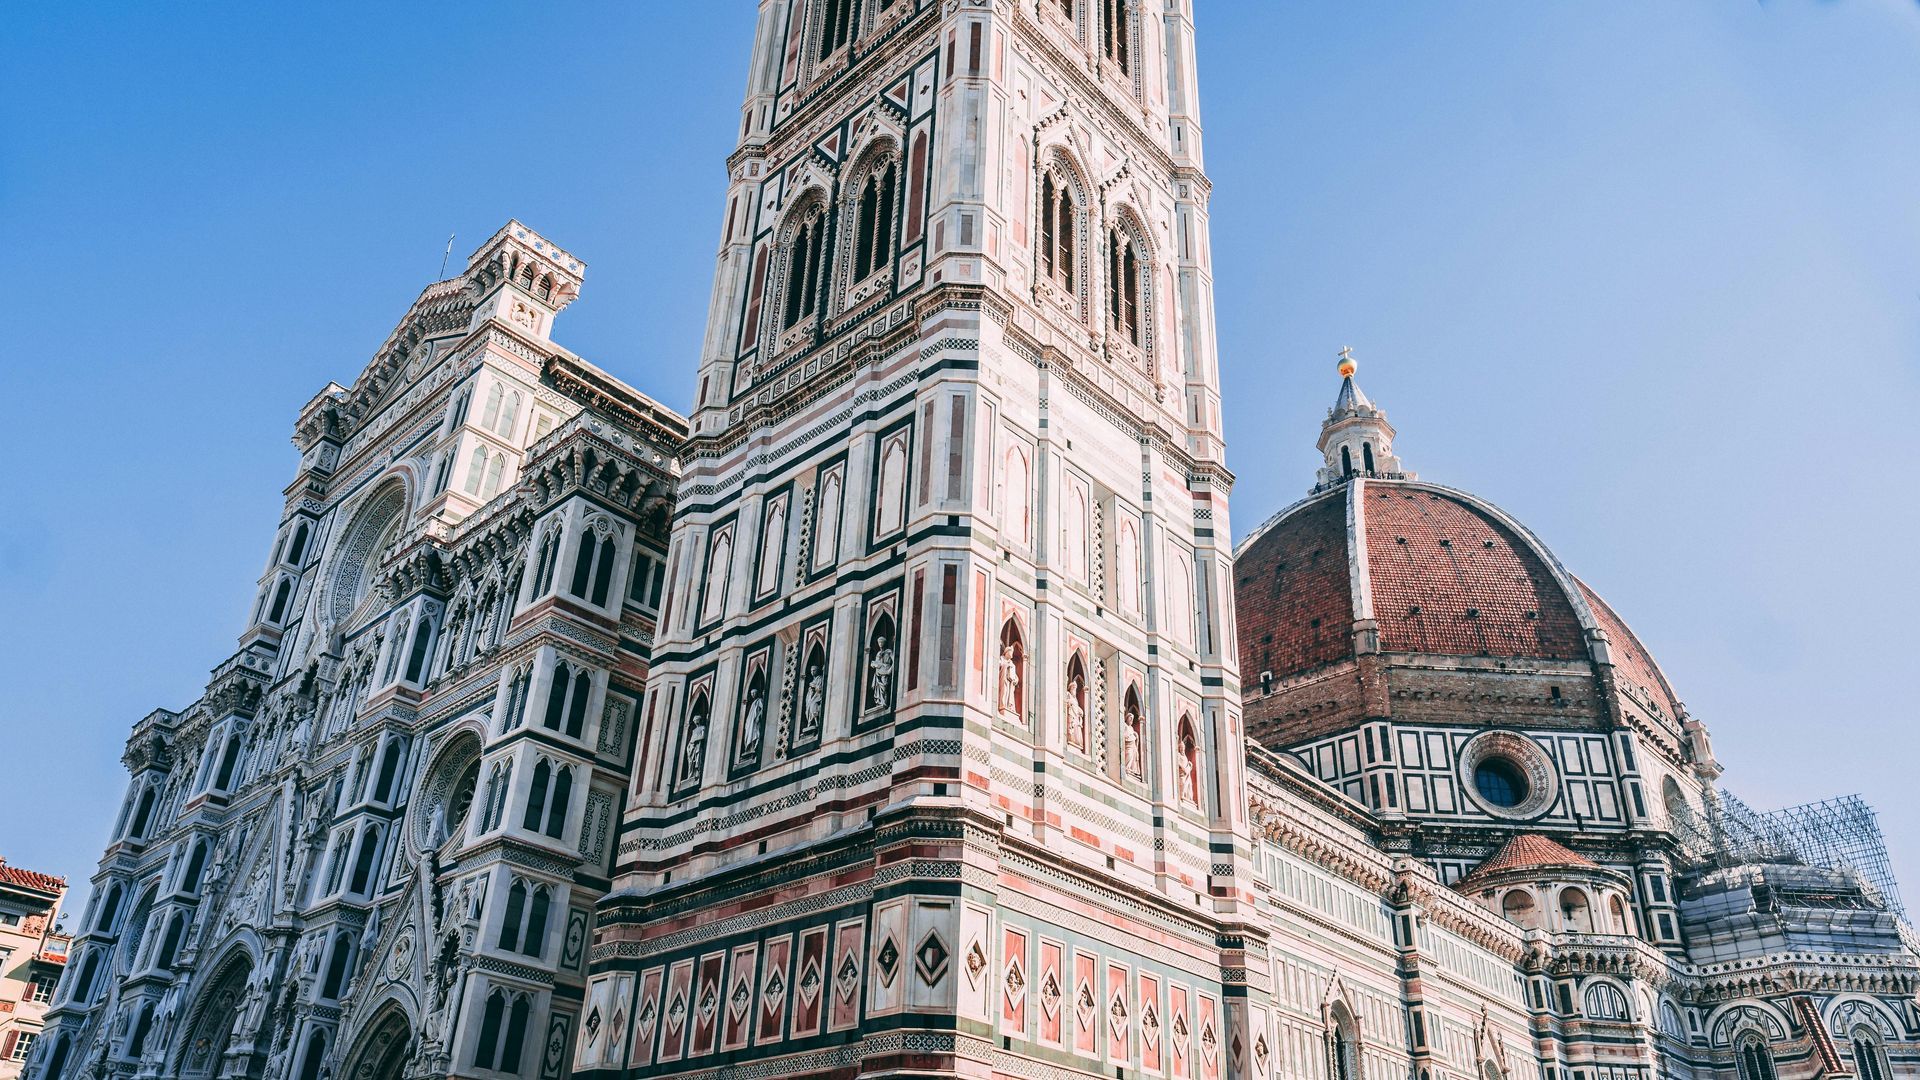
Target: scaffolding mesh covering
{"points": [[1841, 833]]}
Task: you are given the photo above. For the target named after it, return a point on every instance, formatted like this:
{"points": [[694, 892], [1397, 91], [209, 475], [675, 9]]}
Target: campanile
{"points": [[941, 768]]}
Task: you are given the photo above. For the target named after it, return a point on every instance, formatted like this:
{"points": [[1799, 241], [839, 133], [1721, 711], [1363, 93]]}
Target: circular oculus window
{"points": [[1508, 775]]}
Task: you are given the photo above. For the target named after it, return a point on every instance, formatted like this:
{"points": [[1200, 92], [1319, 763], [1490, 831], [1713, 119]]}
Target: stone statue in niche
{"points": [[1010, 679], [753, 721], [696, 748], [1076, 715], [813, 701], [1130, 749], [880, 678], [1188, 791]]}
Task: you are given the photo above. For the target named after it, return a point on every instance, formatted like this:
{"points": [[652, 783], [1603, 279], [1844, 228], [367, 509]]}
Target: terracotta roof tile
{"points": [[1525, 851], [1631, 661], [1449, 579], [1294, 593], [30, 879]]}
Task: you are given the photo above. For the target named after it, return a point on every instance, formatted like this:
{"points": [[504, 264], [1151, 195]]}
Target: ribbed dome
{"points": [[1401, 566]]}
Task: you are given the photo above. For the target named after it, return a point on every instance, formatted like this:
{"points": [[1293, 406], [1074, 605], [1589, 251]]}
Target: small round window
{"points": [[1501, 782]]}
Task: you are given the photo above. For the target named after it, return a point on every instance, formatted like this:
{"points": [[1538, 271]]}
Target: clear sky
{"points": [[1646, 274]]}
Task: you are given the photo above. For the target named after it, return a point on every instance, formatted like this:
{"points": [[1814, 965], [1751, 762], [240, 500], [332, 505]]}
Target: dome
{"points": [[1415, 576]]}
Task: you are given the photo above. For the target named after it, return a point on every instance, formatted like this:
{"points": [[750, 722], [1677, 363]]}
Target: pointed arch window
{"points": [[297, 549], [503, 1032], [534, 941], [417, 655], [836, 25], [873, 238], [281, 594], [593, 566], [389, 768], [804, 254], [364, 858], [196, 865], [109, 910], [1123, 286], [557, 810], [1343, 1045], [137, 1042], [511, 918], [516, 710], [336, 979], [476, 470], [543, 569], [537, 796], [1058, 224], [1115, 30], [1754, 1059], [1869, 1061]]}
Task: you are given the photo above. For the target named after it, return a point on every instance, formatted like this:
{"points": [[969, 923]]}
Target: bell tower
{"points": [[942, 764]]}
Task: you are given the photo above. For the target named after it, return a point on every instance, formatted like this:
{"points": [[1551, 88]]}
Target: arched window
{"points": [[1346, 461], [1575, 913], [511, 918], [1519, 908], [57, 1061], [1189, 779], [170, 942], [109, 909], [1057, 227], [476, 470], [1115, 34], [363, 860], [196, 865], [1755, 1061], [562, 794], [804, 252], [389, 765], [594, 567], [298, 548], [873, 237], [495, 467], [557, 697], [535, 941], [508, 414], [516, 710], [417, 656], [1366, 456], [490, 416], [137, 1042], [83, 984], [281, 594], [549, 554], [836, 25], [487, 1049], [537, 797], [1343, 1045], [577, 707], [316, 1055], [499, 781], [1123, 286], [1869, 1060], [229, 756], [1604, 1001], [1618, 912], [516, 1035], [336, 978]]}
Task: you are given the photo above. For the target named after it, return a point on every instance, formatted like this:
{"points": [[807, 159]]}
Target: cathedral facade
{"points": [[906, 710], [376, 841]]}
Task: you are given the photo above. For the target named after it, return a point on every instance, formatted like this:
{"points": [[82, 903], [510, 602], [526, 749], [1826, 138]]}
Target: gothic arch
{"points": [[383, 1047], [861, 250], [812, 207], [374, 522], [209, 1028], [1058, 161], [1727, 1022], [1123, 219], [445, 795]]}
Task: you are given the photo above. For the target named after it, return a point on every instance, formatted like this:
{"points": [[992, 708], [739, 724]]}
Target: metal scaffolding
{"points": [[1841, 833]]}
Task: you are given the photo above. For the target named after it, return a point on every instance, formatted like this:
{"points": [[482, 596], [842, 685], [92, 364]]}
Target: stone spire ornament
{"points": [[1356, 439]]}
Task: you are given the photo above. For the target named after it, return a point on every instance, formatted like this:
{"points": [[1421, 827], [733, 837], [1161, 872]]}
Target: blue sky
{"points": [[1646, 274]]}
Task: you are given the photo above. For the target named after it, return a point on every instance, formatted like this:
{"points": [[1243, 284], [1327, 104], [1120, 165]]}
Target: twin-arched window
{"points": [[567, 699], [523, 926], [1754, 1059], [836, 25], [804, 254], [873, 231], [1058, 223], [503, 1032], [593, 566], [547, 799], [1115, 30], [1123, 286], [1869, 1061]]}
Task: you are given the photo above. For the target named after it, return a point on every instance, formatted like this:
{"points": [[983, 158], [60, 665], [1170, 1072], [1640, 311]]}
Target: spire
{"points": [[1356, 439]]}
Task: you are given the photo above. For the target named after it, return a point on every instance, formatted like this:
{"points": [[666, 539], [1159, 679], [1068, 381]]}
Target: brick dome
{"points": [[1400, 566]]}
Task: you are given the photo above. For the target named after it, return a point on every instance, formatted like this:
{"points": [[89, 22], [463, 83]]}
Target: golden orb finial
{"points": [[1347, 364]]}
